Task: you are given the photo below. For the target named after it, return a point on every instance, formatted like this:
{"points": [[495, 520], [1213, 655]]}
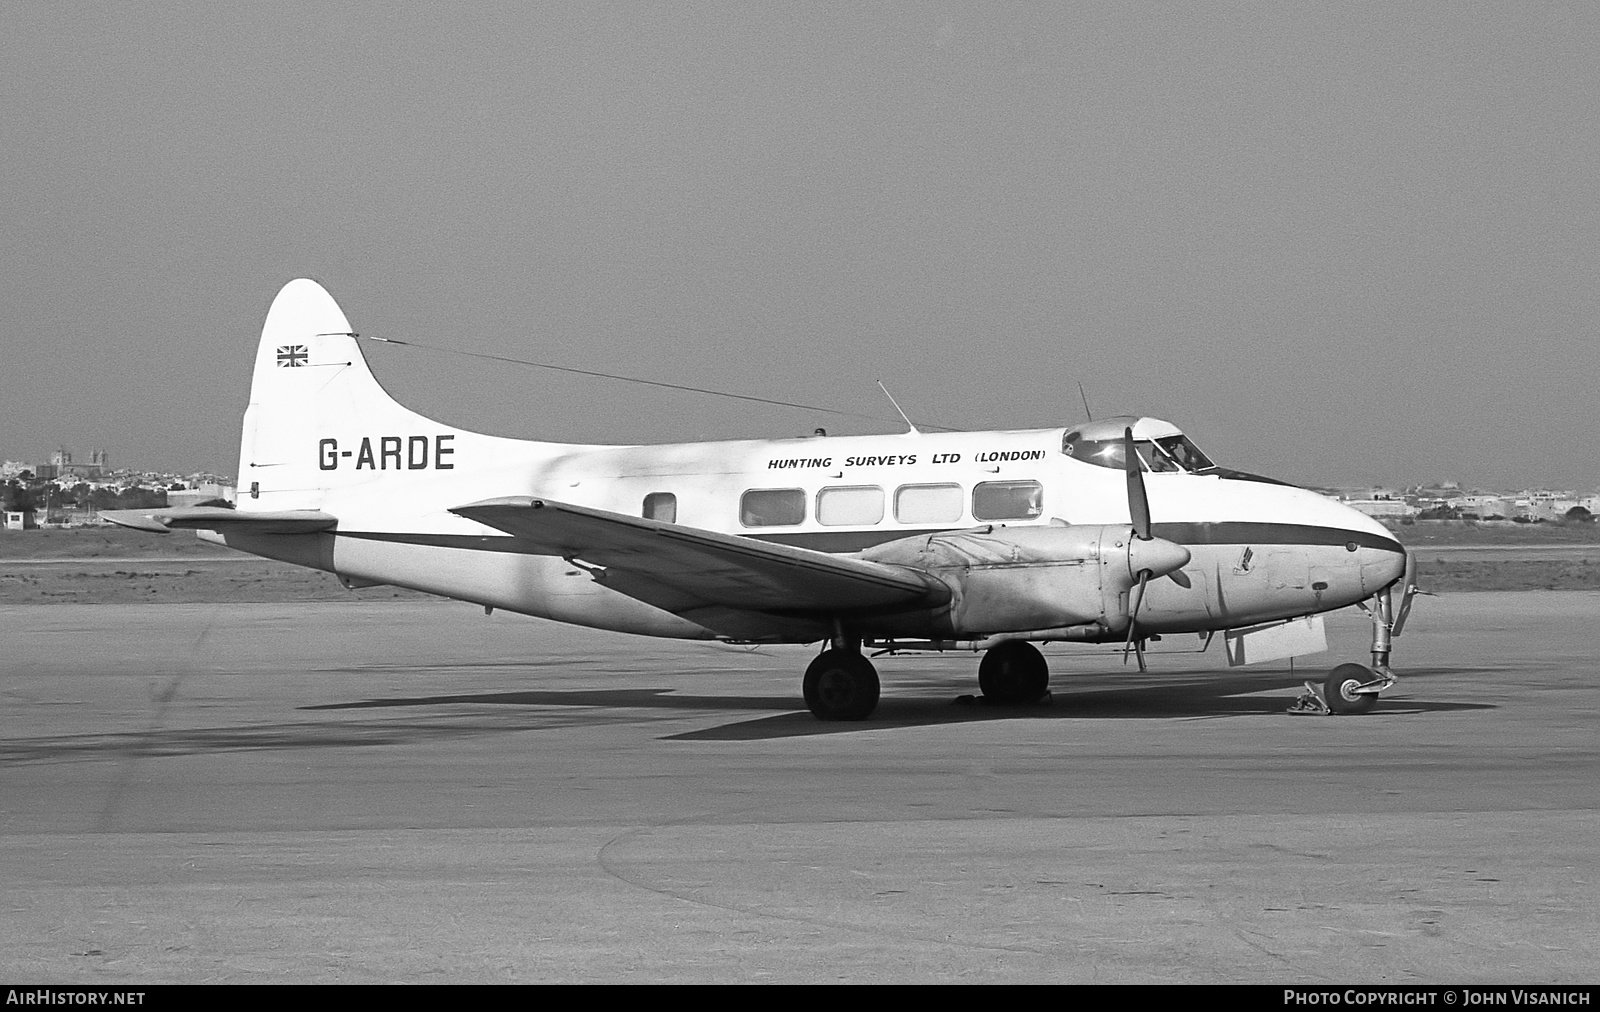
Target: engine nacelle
{"points": [[1012, 579]]}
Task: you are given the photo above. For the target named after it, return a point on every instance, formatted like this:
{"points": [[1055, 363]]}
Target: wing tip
{"points": [[164, 521], [139, 520]]}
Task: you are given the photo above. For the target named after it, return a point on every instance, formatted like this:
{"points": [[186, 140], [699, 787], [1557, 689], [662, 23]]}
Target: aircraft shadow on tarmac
{"points": [[612, 698], [918, 702], [913, 702], [1176, 695]]}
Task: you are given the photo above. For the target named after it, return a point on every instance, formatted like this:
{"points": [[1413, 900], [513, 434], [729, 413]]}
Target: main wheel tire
{"points": [[841, 685], [1014, 674], [1339, 689]]}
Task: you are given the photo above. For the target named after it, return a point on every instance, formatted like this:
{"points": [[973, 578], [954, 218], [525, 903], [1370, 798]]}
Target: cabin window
{"points": [[928, 504], [1007, 500], [772, 507], [850, 505], [662, 506]]}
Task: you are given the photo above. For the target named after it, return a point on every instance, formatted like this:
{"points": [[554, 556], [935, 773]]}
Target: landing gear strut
{"points": [[1014, 673], [841, 685], [1353, 688]]}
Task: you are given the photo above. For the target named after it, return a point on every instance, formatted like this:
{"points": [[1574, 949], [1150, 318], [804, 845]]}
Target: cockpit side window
{"points": [[1183, 451], [1153, 459]]}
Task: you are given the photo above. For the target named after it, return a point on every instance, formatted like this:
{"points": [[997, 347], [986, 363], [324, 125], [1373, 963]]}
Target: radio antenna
{"points": [[1084, 397], [914, 431], [643, 382]]}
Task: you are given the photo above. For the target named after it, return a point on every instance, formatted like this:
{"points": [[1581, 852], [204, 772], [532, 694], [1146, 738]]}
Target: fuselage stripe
{"points": [[1229, 533]]}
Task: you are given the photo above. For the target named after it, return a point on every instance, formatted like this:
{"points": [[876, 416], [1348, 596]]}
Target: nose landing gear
{"points": [[1353, 688]]}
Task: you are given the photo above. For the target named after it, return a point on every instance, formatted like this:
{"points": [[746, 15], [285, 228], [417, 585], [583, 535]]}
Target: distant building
{"points": [[1481, 506], [19, 520], [98, 466], [1383, 507], [203, 493]]}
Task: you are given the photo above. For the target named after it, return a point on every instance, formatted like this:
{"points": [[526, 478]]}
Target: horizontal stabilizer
{"points": [[219, 518], [681, 567]]}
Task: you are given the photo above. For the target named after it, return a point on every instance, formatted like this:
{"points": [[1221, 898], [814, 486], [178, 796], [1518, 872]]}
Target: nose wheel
{"points": [[1348, 689]]}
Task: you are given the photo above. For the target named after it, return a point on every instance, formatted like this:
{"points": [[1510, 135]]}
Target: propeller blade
{"points": [[1408, 592], [1133, 618], [1138, 502]]}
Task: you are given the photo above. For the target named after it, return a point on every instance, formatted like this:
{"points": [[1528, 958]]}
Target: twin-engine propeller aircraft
{"points": [[1110, 532]]}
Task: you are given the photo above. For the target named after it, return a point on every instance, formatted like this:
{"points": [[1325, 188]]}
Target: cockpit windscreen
{"points": [[1169, 453]]}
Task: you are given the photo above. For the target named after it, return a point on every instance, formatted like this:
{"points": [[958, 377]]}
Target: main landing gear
{"points": [[841, 684], [1014, 673]]}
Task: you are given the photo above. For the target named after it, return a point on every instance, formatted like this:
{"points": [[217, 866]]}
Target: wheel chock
{"points": [[1309, 704]]}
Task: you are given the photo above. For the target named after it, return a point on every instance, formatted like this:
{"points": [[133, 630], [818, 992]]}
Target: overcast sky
{"points": [[1339, 244]]}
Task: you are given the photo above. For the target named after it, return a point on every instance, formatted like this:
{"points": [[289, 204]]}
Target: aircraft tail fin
{"points": [[318, 419]]}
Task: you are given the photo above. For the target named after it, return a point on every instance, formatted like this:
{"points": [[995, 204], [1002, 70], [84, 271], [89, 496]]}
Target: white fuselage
{"points": [[1259, 551]]}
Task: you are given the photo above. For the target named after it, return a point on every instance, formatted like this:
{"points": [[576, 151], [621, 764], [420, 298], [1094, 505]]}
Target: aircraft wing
{"points": [[218, 518], [682, 567]]}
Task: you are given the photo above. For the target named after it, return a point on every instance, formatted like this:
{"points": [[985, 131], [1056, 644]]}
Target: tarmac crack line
{"points": [[610, 867], [163, 700]]}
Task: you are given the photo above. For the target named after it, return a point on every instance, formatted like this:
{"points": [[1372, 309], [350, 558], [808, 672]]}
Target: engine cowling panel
{"points": [[1010, 579]]}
